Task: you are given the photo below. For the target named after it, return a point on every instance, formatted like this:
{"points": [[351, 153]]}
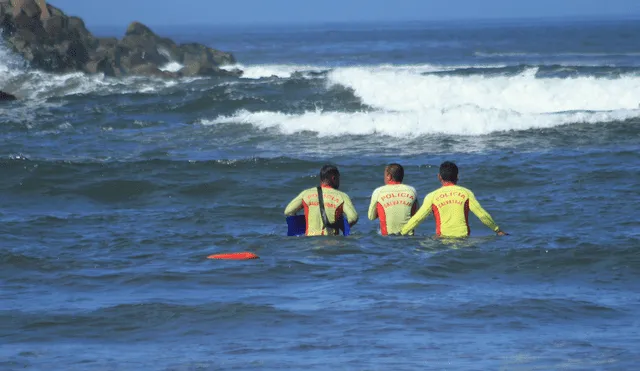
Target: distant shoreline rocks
{"points": [[59, 43]]}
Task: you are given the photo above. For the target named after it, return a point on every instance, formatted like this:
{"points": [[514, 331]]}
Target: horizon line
{"points": [[556, 18]]}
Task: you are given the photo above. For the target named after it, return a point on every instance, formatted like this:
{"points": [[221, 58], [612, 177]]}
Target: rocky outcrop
{"points": [[61, 43], [6, 96]]}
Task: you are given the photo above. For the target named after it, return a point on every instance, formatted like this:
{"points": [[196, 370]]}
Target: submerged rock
{"points": [[6, 96], [55, 42]]}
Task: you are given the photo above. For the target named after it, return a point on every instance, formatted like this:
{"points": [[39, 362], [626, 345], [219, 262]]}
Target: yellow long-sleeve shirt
{"points": [[393, 204], [336, 204], [450, 205]]}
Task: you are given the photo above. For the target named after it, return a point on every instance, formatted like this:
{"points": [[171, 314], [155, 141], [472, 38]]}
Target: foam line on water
{"points": [[406, 102], [401, 90], [467, 120], [258, 71]]}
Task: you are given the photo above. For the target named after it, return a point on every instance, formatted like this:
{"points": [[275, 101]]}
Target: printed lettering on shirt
{"points": [[451, 194], [326, 204], [397, 202], [332, 197], [449, 202], [396, 195]]}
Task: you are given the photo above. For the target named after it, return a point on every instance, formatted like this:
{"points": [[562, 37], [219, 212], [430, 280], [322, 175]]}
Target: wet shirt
{"points": [[393, 204], [336, 204], [450, 205]]}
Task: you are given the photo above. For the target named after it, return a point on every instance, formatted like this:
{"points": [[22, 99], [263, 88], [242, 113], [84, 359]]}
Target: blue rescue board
{"points": [[297, 225]]}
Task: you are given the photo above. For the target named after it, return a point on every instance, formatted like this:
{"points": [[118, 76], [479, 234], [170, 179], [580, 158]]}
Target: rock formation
{"points": [[6, 96], [55, 42], [18, 5]]}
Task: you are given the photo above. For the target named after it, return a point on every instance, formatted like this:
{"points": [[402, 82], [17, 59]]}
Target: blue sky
{"points": [[218, 12]]}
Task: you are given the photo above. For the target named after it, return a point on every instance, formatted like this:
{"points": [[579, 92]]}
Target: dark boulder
{"points": [[151, 69], [197, 53], [140, 47], [206, 69], [55, 42], [6, 97]]}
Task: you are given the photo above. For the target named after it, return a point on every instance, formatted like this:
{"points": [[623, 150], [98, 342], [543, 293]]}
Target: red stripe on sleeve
{"points": [[436, 215], [466, 216], [338, 214], [306, 218], [383, 219]]}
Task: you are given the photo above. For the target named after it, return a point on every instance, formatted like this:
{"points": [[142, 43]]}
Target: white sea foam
{"points": [[461, 121], [11, 65], [172, 67], [407, 103], [259, 71], [37, 86], [408, 92]]}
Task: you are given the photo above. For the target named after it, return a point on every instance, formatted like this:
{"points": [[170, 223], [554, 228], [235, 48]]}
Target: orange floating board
{"points": [[234, 256]]}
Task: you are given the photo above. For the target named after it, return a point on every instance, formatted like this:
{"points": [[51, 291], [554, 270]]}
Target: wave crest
{"points": [[407, 102]]}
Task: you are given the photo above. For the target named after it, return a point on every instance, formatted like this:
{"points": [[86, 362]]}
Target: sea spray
{"points": [[408, 101]]}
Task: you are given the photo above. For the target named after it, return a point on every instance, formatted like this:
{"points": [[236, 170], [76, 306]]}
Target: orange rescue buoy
{"points": [[234, 256]]}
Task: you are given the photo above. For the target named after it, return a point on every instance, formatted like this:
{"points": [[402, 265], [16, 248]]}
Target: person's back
{"points": [[450, 205], [337, 204], [394, 203], [334, 203]]}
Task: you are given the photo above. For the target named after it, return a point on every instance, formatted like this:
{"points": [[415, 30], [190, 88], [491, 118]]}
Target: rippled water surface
{"points": [[114, 192]]}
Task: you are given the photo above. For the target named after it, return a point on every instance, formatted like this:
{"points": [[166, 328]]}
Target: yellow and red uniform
{"points": [[394, 204], [450, 205], [336, 204]]}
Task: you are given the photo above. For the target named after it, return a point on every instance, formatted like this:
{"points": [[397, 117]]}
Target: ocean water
{"points": [[114, 192]]}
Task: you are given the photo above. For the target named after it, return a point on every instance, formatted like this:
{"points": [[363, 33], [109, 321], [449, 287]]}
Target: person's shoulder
{"points": [[309, 190], [436, 192], [465, 190], [382, 188], [341, 193], [411, 188]]}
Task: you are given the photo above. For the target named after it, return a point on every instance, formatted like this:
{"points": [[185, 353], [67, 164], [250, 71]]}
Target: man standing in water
{"points": [[450, 205], [394, 203], [324, 219]]}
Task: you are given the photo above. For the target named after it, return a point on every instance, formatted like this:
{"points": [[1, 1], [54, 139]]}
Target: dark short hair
{"points": [[396, 171], [327, 172], [449, 171]]}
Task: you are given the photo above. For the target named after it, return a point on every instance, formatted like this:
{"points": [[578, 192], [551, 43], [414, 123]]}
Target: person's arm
{"points": [[373, 206], [294, 205], [415, 207], [416, 203], [349, 211], [482, 214], [420, 216]]}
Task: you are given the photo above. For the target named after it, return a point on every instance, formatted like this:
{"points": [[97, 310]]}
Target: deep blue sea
{"points": [[115, 190]]}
